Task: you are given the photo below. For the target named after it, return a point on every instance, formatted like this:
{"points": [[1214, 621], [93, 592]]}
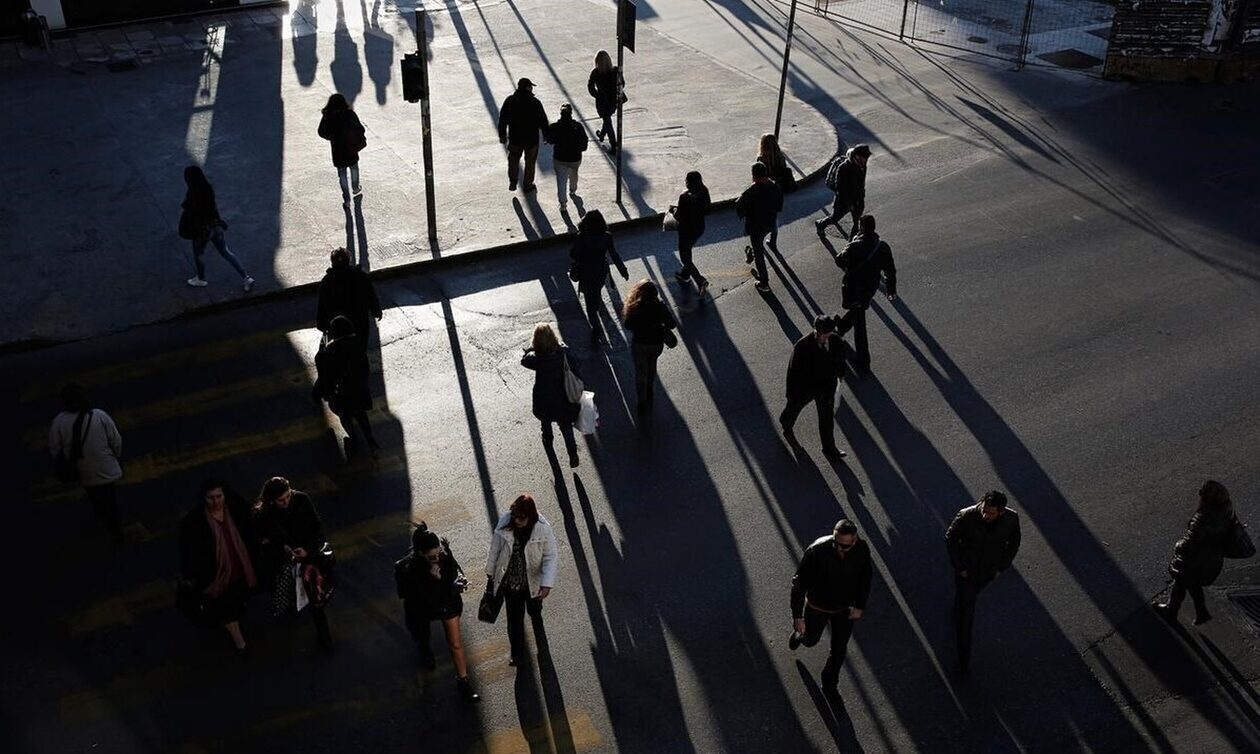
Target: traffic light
{"points": [[413, 77]]}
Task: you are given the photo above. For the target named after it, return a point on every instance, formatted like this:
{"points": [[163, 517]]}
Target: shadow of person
{"points": [[568, 220], [579, 204], [356, 233], [378, 50], [538, 215], [303, 22], [527, 227], [831, 709], [346, 69]]}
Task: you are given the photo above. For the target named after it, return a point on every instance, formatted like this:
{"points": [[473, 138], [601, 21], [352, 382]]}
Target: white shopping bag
{"points": [[588, 417], [301, 600]]}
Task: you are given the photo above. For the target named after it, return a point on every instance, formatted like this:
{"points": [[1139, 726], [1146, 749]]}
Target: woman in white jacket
{"points": [[522, 563]]}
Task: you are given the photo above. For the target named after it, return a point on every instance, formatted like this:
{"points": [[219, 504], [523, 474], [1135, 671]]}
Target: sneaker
{"points": [[762, 286], [358, 191], [249, 284], [197, 282], [834, 452]]}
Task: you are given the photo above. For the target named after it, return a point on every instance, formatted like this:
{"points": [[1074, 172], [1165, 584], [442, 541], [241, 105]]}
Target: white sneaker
{"points": [[358, 191], [249, 283], [197, 282]]}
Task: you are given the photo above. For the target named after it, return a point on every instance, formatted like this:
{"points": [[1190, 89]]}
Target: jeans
{"points": [[841, 630], [566, 431], [855, 319], [516, 602], [645, 356], [607, 128], [566, 173], [687, 241], [758, 242], [965, 592], [214, 236], [530, 151], [104, 500], [825, 402], [353, 170]]}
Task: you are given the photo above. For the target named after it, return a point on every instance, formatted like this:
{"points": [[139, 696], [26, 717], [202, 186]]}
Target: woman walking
{"points": [[605, 85], [341, 127], [522, 561], [650, 320], [692, 207], [342, 370], [291, 534], [769, 154], [549, 358], [430, 583], [216, 560], [200, 222], [1200, 553], [588, 267]]}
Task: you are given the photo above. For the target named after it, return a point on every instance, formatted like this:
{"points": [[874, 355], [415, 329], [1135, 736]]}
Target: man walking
{"points": [[570, 141], [831, 585], [520, 120], [347, 290], [982, 542], [817, 366], [86, 445], [846, 177], [758, 206], [863, 260]]}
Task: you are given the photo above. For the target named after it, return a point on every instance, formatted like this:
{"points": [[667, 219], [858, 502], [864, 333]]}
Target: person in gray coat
{"points": [[86, 440], [1200, 553], [522, 561]]}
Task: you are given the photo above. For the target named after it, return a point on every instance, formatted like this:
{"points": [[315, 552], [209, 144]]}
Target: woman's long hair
{"points": [[603, 61], [545, 340], [199, 187], [592, 224], [695, 184], [642, 291], [336, 103], [524, 505], [769, 154], [1213, 496]]}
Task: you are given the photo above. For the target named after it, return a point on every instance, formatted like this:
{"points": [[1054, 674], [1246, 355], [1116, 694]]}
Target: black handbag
{"points": [[491, 604], [669, 338], [67, 462]]}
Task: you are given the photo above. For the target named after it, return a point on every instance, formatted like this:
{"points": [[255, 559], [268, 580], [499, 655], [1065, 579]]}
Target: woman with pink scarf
{"points": [[216, 560]]}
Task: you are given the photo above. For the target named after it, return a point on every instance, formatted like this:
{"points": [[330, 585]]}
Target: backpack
{"points": [[833, 173]]}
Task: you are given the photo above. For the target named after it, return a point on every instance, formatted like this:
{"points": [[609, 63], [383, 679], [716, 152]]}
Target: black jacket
{"points": [[296, 526], [851, 185], [692, 208], [649, 321], [831, 582], [813, 371], [201, 211], [758, 206], [342, 374], [590, 256], [863, 260], [428, 597], [551, 402], [980, 548], [348, 291], [343, 130], [603, 87], [196, 547], [1200, 553], [569, 138], [521, 119]]}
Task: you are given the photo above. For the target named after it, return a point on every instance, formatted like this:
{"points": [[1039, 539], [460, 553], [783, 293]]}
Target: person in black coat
{"points": [[816, 368], [521, 119], [1200, 553], [864, 260], [652, 325], [200, 222], [290, 532], [693, 206], [548, 357], [430, 584], [216, 556], [607, 86], [850, 188], [568, 138], [346, 136], [588, 266], [982, 541], [831, 586], [347, 290], [759, 205], [342, 375]]}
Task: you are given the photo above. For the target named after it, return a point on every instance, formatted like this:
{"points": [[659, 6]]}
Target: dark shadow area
{"points": [[378, 49], [356, 234], [832, 711], [346, 68], [305, 52]]}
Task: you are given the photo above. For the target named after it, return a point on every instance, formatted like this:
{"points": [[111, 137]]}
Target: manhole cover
{"points": [[1071, 58]]}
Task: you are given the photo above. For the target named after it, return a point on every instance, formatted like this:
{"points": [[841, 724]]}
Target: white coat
{"points": [[540, 555]]}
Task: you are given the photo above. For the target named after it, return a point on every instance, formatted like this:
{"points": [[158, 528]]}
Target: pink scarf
{"points": [[231, 559]]}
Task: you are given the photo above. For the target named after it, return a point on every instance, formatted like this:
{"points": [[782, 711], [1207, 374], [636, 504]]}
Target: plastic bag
{"points": [[588, 416], [301, 600], [669, 224]]}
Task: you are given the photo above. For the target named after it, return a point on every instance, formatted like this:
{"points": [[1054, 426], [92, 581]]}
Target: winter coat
{"points": [[862, 260], [342, 374], [1200, 553], [649, 321], [692, 208], [603, 87], [424, 597], [551, 401], [813, 371], [541, 559], [979, 547], [102, 445], [832, 583], [569, 138], [590, 256], [758, 206], [521, 118], [344, 133], [196, 546], [348, 291], [851, 184], [297, 525]]}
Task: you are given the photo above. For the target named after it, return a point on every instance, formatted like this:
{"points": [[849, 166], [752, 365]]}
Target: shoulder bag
{"points": [[1238, 543], [573, 385]]}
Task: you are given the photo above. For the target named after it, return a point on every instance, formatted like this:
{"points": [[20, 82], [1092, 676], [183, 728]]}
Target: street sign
{"points": [[626, 13]]}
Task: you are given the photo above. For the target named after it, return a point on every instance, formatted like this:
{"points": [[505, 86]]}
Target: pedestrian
{"points": [[550, 359], [1199, 555], [846, 176], [430, 584], [769, 154], [200, 222], [831, 587], [521, 120], [342, 374], [758, 206], [292, 544], [589, 259], [607, 86], [982, 541], [216, 547], [652, 325], [693, 206], [816, 368], [347, 137], [522, 562], [347, 290], [568, 138], [87, 448], [863, 260]]}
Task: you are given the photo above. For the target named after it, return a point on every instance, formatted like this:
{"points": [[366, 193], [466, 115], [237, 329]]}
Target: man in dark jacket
{"points": [[347, 290], [831, 585], [758, 206], [864, 260], [816, 368], [570, 141], [982, 542], [521, 119], [848, 177]]}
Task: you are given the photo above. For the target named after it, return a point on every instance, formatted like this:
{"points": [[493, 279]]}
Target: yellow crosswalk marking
{"points": [[515, 741]]}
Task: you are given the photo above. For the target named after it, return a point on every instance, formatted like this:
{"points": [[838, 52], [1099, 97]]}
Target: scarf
{"points": [[231, 559]]}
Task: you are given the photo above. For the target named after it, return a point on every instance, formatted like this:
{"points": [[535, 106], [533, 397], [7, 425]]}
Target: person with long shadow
{"points": [[522, 561], [982, 541], [864, 260], [589, 259], [816, 368], [554, 369]]}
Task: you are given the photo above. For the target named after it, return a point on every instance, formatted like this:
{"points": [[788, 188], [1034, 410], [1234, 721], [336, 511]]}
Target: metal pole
{"points": [[787, 52], [426, 128], [1023, 37], [621, 137], [905, 11]]}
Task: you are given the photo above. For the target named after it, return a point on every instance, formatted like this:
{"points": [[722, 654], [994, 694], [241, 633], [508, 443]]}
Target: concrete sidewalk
{"points": [[93, 170]]}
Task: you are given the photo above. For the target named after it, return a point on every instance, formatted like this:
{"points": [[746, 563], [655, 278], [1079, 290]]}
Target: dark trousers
{"points": [[758, 243], [687, 241], [104, 500], [350, 418], [607, 128], [530, 151], [838, 211], [1177, 595], [593, 298], [825, 402], [841, 630], [855, 319], [965, 592], [517, 602], [645, 356], [320, 619], [566, 431]]}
